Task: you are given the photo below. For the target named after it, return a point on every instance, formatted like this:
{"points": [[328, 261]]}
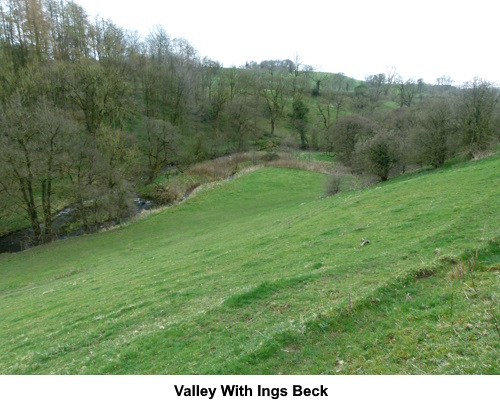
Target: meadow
{"points": [[264, 274]]}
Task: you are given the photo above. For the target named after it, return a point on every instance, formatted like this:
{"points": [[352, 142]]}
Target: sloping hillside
{"points": [[262, 274]]}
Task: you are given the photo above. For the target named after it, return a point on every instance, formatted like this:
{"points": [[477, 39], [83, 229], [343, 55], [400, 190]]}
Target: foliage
{"points": [[477, 106], [349, 132], [31, 157], [332, 184], [380, 155], [433, 136], [299, 119], [174, 108]]}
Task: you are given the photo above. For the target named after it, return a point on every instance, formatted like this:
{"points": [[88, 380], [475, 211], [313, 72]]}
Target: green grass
{"points": [[389, 105], [434, 324], [253, 276]]}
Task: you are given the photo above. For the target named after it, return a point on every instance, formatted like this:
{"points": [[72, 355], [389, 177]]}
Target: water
{"points": [[24, 238]]}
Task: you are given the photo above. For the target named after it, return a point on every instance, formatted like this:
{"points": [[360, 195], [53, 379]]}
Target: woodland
{"points": [[92, 115]]}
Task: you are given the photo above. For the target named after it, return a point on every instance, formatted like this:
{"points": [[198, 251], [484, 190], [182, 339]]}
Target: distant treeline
{"points": [[89, 112]]}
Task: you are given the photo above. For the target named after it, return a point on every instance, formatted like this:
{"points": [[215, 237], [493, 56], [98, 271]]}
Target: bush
{"points": [[164, 194], [220, 168], [350, 131], [379, 155], [332, 184], [270, 157]]}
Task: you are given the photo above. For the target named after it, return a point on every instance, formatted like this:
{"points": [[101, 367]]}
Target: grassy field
{"points": [[263, 274]]}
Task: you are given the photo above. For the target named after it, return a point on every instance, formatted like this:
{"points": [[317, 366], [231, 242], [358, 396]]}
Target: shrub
{"points": [[379, 155], [164, 194], [270, 156], [332, 184], [220, 168]]}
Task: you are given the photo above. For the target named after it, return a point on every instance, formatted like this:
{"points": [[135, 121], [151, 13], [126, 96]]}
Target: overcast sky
{"points": [[422, 39]]}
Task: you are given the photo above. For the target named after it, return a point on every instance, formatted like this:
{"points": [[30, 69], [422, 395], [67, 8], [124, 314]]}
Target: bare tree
{"points": [[273, 91], [241, 120], [117, 157], [232, 80], [390, 76], [406, 91], [339, 81], [100, 94], [319, 78], [162, 146], [376, 84], [350, 131], [444, 80], [33, 140]]}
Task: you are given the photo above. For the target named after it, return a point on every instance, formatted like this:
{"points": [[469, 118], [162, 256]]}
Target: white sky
{"points": [[423, 39]]}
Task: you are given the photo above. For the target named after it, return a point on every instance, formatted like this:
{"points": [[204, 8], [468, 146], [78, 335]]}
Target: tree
{"points": [[232, 80], [382, 155], [116, 161], [32, 143], [24, 31], [299, 119], [209, 73], [348, 132], [444, 80], [421, 86], [110, 42], [389, 78], [163, 141], [406, 91], [476, 109], [241, 124], [74, 35], [435, 127], [334, 102], [318, 79], [375, 85], [100, 93], [300, 78], [80, 165], [400, 124], [362, 101], [273, 91], [339, 81], [158, 45]]}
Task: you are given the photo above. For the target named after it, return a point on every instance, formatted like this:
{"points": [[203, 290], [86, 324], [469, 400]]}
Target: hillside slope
{"points": [[240, 278]]}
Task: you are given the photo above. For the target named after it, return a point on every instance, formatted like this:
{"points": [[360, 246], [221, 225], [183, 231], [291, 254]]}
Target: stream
{"points": [[24, 238]]}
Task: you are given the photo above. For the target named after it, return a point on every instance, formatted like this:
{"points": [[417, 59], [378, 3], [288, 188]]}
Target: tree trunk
{"points": [[47, 208]]}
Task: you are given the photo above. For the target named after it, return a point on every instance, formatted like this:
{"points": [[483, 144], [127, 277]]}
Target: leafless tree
{"points": [[390, 76]]}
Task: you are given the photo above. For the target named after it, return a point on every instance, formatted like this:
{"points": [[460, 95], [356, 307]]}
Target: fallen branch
{"points": [[364, 242]]}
